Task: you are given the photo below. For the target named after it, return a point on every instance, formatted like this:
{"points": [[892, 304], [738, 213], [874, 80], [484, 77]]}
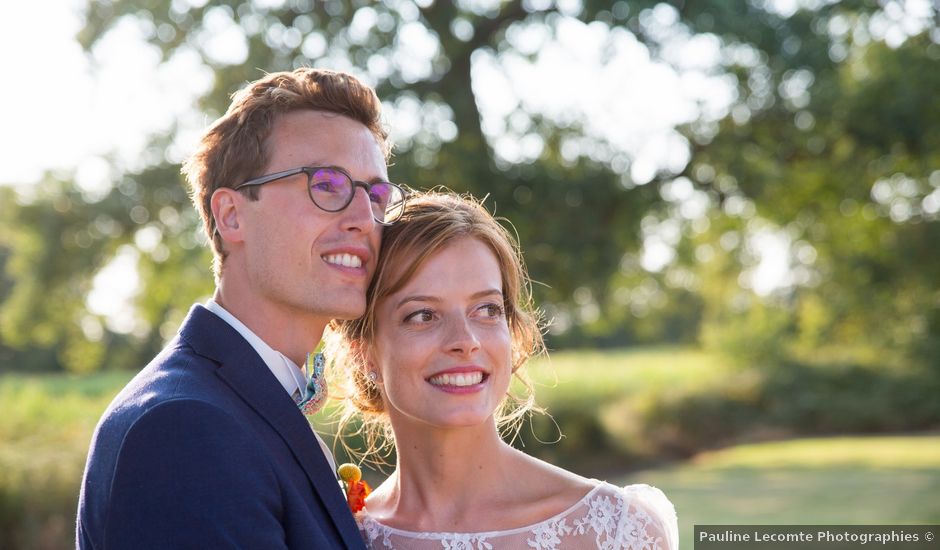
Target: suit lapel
{"points": [[244, 371]]}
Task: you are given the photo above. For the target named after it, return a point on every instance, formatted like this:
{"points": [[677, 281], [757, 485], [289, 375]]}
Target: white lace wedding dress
{"points": [[636, 517]]}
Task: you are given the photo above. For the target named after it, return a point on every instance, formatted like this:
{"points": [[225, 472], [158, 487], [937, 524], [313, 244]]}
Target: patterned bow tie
{"points": [[316, 392]]}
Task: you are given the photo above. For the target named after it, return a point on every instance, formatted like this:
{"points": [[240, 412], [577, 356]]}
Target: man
{"points": [[206, 447]]}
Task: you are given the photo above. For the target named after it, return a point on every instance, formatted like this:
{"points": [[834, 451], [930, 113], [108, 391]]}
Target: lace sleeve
{"points": [[649, 514]]}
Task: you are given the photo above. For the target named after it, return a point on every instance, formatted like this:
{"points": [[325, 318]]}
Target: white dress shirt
{"points": [[291, 377]]}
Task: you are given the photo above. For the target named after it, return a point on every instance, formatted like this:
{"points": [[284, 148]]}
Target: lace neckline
{"points": [[502, 532]]}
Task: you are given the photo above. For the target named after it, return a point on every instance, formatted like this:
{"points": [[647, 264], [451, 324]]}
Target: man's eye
{"points": [[378, 193], [325, 186]]}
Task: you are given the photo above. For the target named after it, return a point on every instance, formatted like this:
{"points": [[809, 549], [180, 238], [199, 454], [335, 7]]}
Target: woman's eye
{"points": [[420, 316], [491, 310]]}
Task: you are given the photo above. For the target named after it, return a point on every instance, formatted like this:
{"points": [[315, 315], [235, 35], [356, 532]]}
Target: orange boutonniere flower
{"points": [[356, 488]]}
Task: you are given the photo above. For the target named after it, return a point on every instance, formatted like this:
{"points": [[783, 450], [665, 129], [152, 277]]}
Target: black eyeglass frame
{"points": [[311, 170]]}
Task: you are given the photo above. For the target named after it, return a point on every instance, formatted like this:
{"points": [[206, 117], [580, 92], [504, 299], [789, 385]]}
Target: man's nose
{"points": [[358, 216]]}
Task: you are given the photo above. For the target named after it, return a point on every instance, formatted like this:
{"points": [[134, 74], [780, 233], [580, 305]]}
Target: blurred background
{"points": [[731, 210]]}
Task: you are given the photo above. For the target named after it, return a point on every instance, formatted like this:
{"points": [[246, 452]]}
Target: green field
{"points": [[837, 480], [46, 423], [575, 376]]}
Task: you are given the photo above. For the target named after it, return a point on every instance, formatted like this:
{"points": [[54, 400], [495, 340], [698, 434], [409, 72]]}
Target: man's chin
{"points": [[348, 312]]}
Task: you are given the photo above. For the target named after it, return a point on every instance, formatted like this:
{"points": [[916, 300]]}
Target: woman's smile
{"points": [[459, 380]]}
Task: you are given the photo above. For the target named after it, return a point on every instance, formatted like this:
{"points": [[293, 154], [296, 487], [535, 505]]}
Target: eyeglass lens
{"points": [[333, 190]]}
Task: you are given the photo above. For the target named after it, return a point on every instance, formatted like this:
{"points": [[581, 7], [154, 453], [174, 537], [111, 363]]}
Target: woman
{"points": [[449, 323]]}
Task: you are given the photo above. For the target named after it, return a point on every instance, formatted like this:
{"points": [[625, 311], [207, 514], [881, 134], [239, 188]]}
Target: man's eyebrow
{"points": [[435, 299], [321, 164]]}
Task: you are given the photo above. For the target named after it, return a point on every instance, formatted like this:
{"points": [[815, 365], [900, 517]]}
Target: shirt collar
{"points": [[290, 376]]}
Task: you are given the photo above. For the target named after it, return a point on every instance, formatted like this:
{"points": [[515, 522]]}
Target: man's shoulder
{"points": [[174, 377], [171, 423], [189, 422]]}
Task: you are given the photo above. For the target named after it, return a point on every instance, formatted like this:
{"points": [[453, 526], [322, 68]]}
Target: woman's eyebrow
{"points": [[487, 292], [416, 298], [435, 299]]}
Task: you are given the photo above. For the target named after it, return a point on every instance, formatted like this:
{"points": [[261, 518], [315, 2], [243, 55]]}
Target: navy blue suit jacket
{"points": [[205, 449]]}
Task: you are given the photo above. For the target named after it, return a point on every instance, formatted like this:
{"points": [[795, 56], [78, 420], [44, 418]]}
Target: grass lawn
{"points": [[851, 480], [46, 423]]}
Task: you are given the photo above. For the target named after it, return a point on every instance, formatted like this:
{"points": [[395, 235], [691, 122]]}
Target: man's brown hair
{"points": [[234, 149]]}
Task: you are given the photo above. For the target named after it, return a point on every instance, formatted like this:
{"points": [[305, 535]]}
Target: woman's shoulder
{"points": [[645, 496], [601, 507], [642, 509], [632, 516], [634, 502]]}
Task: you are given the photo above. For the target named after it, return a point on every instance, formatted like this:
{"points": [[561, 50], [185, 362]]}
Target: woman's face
{"points": [[442, 347]]}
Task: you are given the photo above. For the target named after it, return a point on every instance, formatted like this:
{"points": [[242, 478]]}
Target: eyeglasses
{"points": [[332, 189]]}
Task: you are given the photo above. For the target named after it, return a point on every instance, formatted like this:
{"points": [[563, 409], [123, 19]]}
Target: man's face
{"points": [[294, 251]]}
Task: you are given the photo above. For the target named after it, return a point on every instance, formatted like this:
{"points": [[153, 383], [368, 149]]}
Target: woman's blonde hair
{"points": [[431, 221]]}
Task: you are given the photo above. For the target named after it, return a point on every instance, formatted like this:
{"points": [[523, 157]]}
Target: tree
{"points": [[822, 114]]}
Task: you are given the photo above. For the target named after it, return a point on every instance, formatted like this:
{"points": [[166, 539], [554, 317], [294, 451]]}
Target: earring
{"points": [[316, 384], [372, 376]]}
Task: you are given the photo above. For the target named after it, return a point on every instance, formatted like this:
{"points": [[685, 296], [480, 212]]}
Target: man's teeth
{"points": [[468, 379], [347, 260]]}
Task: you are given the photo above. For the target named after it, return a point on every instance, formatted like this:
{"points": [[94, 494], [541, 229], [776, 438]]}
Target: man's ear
{"points": [[225, 203]]}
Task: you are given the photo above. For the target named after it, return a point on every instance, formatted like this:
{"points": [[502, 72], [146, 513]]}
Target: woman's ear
{"points": [[364, 357], [225, 203], [374, 375], [361, 356]]}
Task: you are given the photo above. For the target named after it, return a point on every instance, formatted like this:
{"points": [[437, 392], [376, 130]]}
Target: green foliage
{"points": [[653, 404], [58, 239], [755, 336], [794, 399], [846, 176]]}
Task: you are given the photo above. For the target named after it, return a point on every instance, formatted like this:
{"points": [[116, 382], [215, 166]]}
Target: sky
{"points": [[62, 109], [33, 102]]}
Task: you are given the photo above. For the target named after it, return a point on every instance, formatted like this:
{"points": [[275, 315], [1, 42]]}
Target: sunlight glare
{"points": [[113, 290]]}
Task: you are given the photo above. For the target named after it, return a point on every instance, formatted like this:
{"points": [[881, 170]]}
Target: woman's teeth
{"points": [[463, 379]]}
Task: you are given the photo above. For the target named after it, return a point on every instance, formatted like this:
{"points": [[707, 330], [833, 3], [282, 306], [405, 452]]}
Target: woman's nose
{"points": [[461, 338]]}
